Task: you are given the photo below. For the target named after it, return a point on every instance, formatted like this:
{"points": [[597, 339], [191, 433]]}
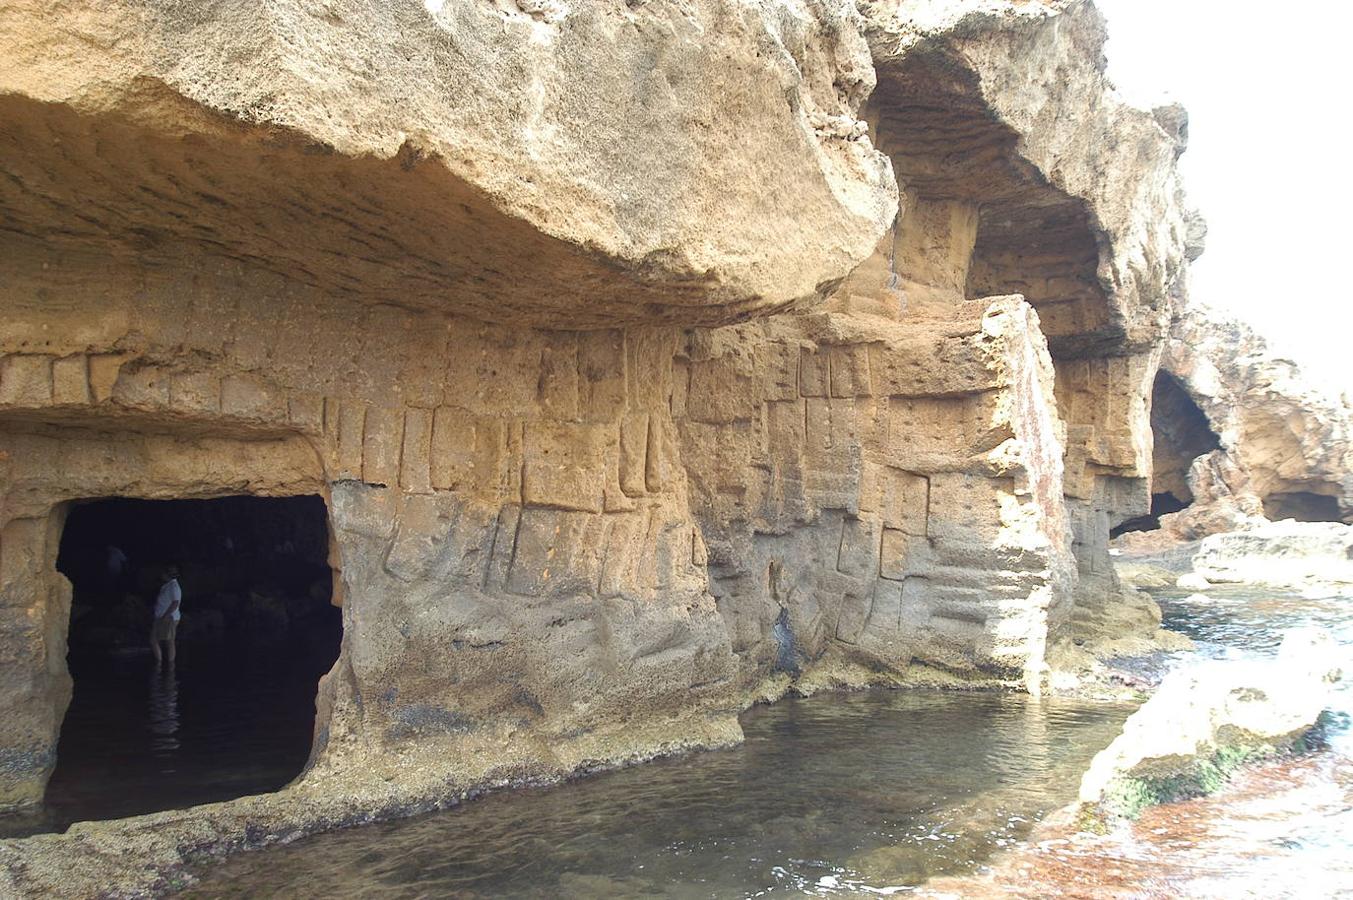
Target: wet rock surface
{"points": [[1311, 555], [1206, 720], [1282, 826], [1275, 831]]}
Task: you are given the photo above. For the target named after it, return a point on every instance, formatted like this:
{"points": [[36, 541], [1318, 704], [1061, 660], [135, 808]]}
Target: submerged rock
{"points": [[1192, 581], [1147, 575], [1207, 719]]}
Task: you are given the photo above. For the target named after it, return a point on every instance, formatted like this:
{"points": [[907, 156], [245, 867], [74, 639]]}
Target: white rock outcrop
{"points": [[1278, 553], [1208, 717]]}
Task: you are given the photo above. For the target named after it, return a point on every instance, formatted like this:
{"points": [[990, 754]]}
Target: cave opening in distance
{"points": [[1304, 506], [1181, 433], [235, 714], [1162, 504]]}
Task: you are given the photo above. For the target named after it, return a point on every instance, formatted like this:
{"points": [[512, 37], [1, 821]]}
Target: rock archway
{"points": [[232, 713], [49, 468], [1181, 434], [992, 129], [1241, 436]]}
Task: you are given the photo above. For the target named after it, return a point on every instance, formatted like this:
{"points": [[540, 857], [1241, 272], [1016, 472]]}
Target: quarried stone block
{"points": [[557, 552], [26, 380], [70, 380], [566, 465]]}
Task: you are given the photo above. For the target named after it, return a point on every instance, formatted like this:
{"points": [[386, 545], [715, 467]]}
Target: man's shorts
{"points": [[163, 629]]}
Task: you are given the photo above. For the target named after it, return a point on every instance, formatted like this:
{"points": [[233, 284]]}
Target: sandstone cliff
{"points": [[651, 359], [1242, 437], [573, 165]]}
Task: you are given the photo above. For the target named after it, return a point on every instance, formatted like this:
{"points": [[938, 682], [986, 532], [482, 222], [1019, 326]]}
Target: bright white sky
{"points": [[1269, 159]]}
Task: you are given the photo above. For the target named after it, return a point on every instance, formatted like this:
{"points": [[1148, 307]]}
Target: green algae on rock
{"points": [[1209, 719]]}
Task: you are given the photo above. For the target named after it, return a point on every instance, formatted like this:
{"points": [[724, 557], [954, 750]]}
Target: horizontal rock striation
{"points": [[649, 360], [1007, 137], [876, 496]]}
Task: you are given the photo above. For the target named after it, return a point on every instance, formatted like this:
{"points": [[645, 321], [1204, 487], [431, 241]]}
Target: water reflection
{"points": [[218, 725], [1281, 829], [164, 711], [867, 794]]}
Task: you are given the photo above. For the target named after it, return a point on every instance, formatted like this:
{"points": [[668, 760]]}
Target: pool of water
{"points": [[857, 792], [866, 794], [223, 723], [837, 794]]}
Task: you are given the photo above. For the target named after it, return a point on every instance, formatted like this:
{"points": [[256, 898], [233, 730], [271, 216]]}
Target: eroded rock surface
{"points": [[1242, 438], [610, 162], [1207, 718], [468, 273], [897, 503]]}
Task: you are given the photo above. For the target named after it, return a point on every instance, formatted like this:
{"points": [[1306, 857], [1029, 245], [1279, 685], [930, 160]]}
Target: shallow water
{"points": [[1235, 621], [869, 793], [221, 724], [859, 794], [1280, 829], [832, 793], [1284, 829]]}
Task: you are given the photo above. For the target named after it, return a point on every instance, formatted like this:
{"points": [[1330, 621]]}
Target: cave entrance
{"points": [[235, 714], [1181, 433], [1304, 506], [1162, 504]]}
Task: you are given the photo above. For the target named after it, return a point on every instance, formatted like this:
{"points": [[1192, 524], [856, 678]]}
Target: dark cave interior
{"points": [[235, 714]]}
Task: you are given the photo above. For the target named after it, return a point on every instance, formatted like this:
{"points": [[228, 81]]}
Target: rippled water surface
{"points": [[861, 794], [1234, 621], [869, 793], [859, 791]]}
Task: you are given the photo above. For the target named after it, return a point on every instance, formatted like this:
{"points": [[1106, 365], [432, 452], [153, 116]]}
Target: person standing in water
{"points": [[167, 614]]}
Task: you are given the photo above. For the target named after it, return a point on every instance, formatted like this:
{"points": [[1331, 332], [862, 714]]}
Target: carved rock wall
{"points": [[507, 505], [1072, 201], [260, 222], [878, 496], [502, 294]]}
